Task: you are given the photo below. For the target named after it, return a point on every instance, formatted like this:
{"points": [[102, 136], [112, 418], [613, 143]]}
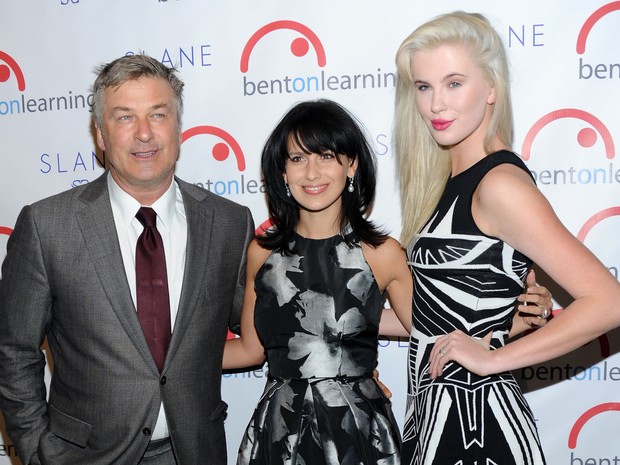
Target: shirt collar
{"points": [[127, 207]]}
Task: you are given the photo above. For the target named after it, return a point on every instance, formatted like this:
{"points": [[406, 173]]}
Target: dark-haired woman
{"points": [[314, 298]]}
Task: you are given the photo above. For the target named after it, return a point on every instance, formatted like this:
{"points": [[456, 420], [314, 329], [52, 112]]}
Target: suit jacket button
{"points": [[146, 432], [163, 380]]}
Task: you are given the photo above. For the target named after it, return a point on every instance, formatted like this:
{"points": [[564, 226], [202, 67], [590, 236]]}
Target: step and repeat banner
{"points": [[246, 62]]}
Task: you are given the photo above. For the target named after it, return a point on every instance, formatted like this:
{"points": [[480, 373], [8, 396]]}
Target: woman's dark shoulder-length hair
{"points": [[319, 126]]}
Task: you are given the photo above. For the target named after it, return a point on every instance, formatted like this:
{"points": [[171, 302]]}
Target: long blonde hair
{"points": [[423, 165]]}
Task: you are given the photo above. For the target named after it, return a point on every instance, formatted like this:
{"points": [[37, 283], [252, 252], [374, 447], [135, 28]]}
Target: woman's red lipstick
{"points": [[441, 124]]}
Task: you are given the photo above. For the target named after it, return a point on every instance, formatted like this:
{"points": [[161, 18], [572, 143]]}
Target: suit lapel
{"points": [[96, 223], [200, 219]]}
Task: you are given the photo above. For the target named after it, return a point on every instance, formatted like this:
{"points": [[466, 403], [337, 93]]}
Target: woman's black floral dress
{"points": [[317, 313]]}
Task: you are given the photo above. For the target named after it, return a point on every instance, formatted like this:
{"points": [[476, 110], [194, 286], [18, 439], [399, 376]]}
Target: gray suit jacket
{"points": [[63, 277]]}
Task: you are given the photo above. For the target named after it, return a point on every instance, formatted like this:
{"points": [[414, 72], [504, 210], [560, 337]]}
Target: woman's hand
{"points": [[473, 354], [384, 388], [535, 307]]}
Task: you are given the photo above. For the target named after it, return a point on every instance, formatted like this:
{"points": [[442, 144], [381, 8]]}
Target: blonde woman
{"points": [[467, 203]]}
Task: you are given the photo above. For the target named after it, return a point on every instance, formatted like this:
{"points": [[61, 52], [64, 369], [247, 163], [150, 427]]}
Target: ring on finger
{"points": [[442, 352], [545, 313]]}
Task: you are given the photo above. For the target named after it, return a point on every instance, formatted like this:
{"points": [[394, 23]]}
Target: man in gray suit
{"points": [[70, 275]]}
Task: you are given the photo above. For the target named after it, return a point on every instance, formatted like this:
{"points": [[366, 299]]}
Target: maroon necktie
{"points": [[152, 287]]}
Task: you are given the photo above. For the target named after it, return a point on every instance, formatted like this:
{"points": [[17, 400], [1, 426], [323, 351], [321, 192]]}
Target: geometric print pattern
{"points": [[465, 280]]}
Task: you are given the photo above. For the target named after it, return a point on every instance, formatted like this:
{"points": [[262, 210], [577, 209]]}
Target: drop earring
{"points": [[288, 191], [351, 187]]}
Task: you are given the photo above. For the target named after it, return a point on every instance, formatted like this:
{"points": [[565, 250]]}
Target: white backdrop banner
{"points": [[245, 63]]}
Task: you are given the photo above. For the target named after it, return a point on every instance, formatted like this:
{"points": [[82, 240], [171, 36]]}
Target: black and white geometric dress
{"points": [[465, 280], [317, 313]]}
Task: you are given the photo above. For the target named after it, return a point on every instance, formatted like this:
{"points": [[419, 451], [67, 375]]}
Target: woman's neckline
{"points": [[479, 162], [347, 230]]}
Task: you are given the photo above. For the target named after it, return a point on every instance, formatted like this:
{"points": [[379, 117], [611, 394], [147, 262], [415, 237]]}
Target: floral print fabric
{"points": [[317, 313]]}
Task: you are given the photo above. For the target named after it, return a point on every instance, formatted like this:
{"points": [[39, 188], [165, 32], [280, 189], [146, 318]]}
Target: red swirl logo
{"points": [[591, 21], [586, 417], [299, 47], [221, 150], [586, 137], [11, 66]]}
